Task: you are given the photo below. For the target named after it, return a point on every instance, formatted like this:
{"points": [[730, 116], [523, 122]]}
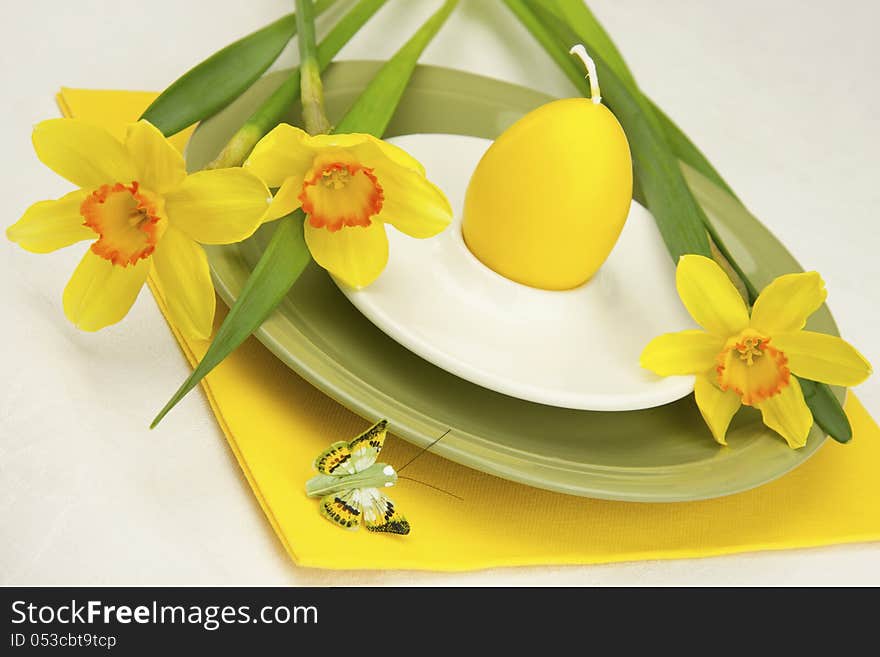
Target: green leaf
{"points": [[372, 111], [687, 152], [287, 255], [281, 264], [678, 215], [211, 85], [826, 409], [578, 16]]}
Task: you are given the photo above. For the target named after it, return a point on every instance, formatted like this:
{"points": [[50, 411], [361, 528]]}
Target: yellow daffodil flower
{"points": [[144, 213], [349, 186], [742, 359]]}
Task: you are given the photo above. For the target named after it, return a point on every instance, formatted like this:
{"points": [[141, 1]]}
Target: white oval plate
{"points": [[575, 349]]}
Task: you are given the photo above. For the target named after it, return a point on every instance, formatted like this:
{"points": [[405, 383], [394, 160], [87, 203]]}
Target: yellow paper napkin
{"points": [[276, 423]]}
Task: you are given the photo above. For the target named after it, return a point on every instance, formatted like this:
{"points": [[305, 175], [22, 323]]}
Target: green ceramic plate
{"points": [[660, 455]]}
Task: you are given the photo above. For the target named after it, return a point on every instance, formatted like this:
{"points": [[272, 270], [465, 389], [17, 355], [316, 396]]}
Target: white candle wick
{"points": [[592, 76]]}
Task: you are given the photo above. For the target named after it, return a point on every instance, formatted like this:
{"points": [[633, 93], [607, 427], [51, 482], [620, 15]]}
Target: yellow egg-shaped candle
{"points": [[549, 199]]}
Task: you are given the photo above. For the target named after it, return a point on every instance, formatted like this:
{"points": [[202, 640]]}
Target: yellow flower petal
{"points": [[286, 199], [182, 269], [784, 305], [686, 352], [50, 225], [159, 164], [220, 206], [283, 153], [716, 406], [100, 293], [354, 254], [88, 156], [351, 141], [399, 156], [412, 203], [710, 297], [824, 358], [788, 415]]}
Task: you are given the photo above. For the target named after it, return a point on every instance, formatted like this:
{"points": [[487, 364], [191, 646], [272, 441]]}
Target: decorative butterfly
{"points": [[350, 484]]}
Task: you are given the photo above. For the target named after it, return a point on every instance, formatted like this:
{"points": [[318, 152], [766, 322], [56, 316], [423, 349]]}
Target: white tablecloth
{"points": [[781, 95]]}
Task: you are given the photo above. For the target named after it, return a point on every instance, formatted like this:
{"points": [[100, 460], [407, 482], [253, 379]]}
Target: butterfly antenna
{"points": [[423, 450], [424, 483]]}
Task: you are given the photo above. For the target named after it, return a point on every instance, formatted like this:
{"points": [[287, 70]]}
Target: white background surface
{"points": [[781, 95]]}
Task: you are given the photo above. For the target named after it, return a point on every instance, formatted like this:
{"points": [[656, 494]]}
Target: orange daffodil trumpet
{"points": [[349, 186], [143, 213], [750, 359]]}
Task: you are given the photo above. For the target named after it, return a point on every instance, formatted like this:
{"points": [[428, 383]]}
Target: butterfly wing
{"points": [[380, 514], [366, 447], [335, 460], [343, 509]]}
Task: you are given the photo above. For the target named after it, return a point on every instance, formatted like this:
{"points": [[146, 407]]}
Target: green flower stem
{"points": [[287, 255], [272, 111], [238, 147], [311, 89]]}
